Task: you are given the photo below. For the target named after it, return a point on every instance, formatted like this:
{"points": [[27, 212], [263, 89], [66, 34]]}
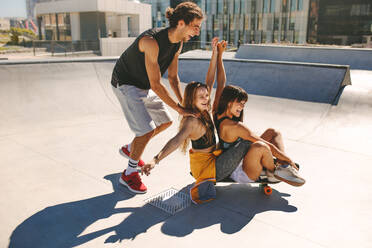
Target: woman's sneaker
{"points": [[125, 153], [271, 177], [288, 174], [133, 182]]}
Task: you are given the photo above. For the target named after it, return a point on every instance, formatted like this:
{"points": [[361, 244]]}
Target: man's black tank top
{"points": [[130, 68]]}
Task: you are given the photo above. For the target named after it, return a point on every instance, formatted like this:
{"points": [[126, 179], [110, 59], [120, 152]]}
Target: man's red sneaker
{"points": [[133, 182], [125, 153]]}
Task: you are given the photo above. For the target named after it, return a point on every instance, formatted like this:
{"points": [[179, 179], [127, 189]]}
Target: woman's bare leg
{"points": [[258, 157]]}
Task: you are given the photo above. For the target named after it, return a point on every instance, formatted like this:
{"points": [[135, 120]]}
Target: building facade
{"points": [[245, 21], [4, 24], [30, 9], [340, 22], [109, 26], [66, 20]]}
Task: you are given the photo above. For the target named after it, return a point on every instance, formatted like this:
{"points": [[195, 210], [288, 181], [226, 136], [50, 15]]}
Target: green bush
{"points": [[16, 32]]}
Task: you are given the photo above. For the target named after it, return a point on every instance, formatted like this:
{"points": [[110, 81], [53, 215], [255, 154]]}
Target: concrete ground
{"points": [[60, 130]]}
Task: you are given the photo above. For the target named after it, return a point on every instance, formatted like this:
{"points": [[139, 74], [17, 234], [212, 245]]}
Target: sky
{"points": [[13, 8]]}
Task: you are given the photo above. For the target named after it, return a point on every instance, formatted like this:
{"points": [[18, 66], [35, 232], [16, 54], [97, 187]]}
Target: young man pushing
{"points": [[136, 81]]}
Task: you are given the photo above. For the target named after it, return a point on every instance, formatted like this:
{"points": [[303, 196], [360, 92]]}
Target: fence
{"points": [[66, 47], [203, 45]]}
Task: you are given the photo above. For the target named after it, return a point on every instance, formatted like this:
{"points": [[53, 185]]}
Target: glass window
{"points": [[272, 6], [259, 22], [284, 23], [293, 5], [53, 19], [284, 5], [266, 6], [220, 6], [237, 6], [300, 4], [276, 23], [216, 25], [46, 19], [292, 23], [246, 22]]}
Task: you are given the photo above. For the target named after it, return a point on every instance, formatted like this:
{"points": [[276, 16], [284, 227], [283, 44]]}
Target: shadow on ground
{"points": [[235, 206], [61, 225]]}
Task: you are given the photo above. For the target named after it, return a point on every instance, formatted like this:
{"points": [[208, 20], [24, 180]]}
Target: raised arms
{"points": [[221, 75], [211, 73]]}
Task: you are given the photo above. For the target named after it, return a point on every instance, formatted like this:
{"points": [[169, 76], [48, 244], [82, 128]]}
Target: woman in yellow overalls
{"points": [[207, 164]]}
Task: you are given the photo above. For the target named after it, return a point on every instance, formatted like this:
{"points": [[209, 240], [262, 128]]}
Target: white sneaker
{"points": [[271, 177], [288, 174]]}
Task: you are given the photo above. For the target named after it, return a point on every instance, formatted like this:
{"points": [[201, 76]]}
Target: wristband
{"points": [[156, 159]]}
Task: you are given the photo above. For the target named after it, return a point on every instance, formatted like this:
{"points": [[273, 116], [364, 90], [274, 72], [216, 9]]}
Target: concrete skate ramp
{"points": [[60, 130], [55, 93], [356, 58], [300, 81]]}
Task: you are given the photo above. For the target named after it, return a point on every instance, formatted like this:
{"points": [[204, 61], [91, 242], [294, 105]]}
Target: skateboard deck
{"points": [[262, 181]]}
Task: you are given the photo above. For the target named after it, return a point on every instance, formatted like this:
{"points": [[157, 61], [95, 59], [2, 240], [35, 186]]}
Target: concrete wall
{"points": [[115, 46], [300, 81], [75, 26], [138, 10], [355, 58]]}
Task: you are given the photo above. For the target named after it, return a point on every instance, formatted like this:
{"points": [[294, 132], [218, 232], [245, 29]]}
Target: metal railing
{"points": [[204, 45], [65, 47]]}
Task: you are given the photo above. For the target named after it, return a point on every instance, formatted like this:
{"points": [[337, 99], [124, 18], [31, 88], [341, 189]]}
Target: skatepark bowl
{"points": [[61, 127]]}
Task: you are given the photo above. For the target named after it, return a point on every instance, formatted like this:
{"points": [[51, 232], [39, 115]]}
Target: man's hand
{"points": [[185, 112], [148, 167]]}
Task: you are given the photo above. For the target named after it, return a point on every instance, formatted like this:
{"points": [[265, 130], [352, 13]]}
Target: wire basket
{"points": [[170, 201]]}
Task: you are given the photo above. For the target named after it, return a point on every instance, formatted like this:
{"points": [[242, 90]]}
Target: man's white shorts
{"points": [[143, 109]]}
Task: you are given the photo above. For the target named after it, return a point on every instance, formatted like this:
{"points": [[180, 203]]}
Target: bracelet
{"points": [[156, 159]]}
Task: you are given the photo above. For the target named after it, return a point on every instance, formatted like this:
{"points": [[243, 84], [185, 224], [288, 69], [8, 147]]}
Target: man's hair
{"points": [[186, 11]]}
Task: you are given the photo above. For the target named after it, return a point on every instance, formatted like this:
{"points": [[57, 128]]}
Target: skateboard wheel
{"points": [[267, 190]]}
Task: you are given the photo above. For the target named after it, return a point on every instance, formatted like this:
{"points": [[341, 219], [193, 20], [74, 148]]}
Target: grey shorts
{"points": [[230, 159], [143, 109]]}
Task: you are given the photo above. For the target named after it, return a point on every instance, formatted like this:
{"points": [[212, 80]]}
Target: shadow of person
{"points": [[61, 225], [235, 206]]}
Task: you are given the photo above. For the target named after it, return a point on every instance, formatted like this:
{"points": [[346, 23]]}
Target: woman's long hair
{"points": [[189, 104], [230, 94]]}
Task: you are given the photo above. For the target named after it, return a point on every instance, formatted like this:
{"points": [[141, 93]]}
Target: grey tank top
{"points": [[223, 144]]}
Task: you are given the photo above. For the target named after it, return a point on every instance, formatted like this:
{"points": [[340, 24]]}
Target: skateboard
{"points": [[262, 181]]}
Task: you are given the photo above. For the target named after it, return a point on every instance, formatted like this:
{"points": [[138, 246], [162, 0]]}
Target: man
{"points": [[136, 82]]}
